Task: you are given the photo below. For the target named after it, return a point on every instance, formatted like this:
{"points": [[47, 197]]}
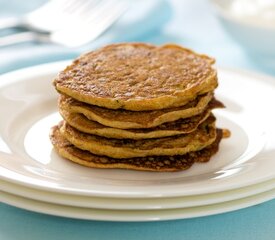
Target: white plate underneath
{"points": [[132, 215], [29, 108], [136, 204]]}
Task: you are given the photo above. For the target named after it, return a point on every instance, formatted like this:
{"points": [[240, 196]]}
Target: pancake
{"points": [[154, 163], [181, 126], [204, 135], [138, 76], [125, 119]]}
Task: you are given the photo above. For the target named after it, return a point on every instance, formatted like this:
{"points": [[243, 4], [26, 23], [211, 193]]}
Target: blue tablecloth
{"points": [[190, 23]]}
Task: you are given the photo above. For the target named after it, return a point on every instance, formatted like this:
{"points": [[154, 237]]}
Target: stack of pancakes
{"points": [[138, 106]]}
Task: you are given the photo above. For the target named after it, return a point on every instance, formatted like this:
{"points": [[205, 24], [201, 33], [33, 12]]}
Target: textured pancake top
{"points": [[137, 76]]}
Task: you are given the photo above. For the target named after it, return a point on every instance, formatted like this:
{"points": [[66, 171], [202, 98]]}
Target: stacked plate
{"points": [[35, 178]]}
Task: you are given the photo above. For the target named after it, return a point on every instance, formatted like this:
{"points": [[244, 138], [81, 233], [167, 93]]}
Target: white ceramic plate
{"points": [[136, 204], [28, 110], [132, 215]]}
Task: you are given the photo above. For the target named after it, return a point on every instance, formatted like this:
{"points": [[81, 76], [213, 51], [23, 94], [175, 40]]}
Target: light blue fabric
{"points": [[193, 25]]}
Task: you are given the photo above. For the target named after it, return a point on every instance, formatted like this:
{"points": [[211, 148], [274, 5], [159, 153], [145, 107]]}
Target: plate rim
{"points": [[159, 203], [134, 215]]}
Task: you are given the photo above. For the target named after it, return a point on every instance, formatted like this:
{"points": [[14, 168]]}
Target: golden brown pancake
{"points": [[153, 163], [181, 126], [126, 119], [203, 136], [138, 76], [138, 106]]}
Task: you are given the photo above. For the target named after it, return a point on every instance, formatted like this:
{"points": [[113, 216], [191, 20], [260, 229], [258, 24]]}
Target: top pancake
{"points": [[137, 76]]}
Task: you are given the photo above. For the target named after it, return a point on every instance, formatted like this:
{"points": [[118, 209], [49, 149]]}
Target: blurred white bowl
{"points": [[253, 26]]}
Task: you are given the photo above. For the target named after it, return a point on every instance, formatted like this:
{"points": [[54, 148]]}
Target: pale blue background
{"points": [[192, 24]]}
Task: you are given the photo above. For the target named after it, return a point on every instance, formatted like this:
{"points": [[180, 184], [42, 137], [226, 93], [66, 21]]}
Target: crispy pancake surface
{"points": [[138, 106], [204, 135], [125, 119], [153, 163], [181, 126], [138, 76]]}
